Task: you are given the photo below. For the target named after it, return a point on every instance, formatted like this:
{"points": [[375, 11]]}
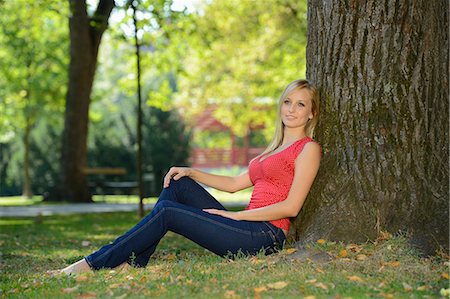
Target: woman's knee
{"points": [[182, 183]]}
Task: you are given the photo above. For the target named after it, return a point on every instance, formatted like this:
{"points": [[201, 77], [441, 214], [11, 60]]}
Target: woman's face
{"points": [[296, 109]]}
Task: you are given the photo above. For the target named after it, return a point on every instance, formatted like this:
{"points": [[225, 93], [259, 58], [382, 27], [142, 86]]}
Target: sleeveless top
{"points": [[272, 178]]}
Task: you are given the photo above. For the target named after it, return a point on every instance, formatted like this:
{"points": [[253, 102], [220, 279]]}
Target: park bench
{"points": [[100, 181]]}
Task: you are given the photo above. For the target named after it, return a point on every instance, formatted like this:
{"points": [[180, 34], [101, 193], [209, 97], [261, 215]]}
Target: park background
{"points": [[210, 75]]}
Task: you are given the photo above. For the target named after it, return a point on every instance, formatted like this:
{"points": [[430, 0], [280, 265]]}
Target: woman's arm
{"points": [[224, 183], [306, 167]]}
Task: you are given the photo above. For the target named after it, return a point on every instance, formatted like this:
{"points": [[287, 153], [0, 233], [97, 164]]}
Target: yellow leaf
{"points": [[321, 285], [445, 292], [384, 295], [343, 253], [355, 278], [291, 250], [231, 294], [277, 285], [444, 275], [407, 287], [319, 270], [114, 286], [422, 288], [393, 263], [361, 257], [260, 289], [321, 241], [311, 281], [310, 297]]}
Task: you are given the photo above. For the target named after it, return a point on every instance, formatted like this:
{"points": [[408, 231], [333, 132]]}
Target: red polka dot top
{"points": [[272, 178]]}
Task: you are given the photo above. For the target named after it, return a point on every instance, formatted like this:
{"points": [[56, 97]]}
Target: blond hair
{"points": [[310, 125]]}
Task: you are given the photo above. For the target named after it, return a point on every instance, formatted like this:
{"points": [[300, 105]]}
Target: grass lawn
{"points": [[241, 196], [388, 268]]}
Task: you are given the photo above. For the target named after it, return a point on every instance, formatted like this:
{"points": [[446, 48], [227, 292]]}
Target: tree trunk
{"points": [[85, 37], [382, 70], [26, 190]]}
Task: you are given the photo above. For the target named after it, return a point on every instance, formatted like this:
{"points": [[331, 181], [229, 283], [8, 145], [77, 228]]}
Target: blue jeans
{"points": [[179, 209]]}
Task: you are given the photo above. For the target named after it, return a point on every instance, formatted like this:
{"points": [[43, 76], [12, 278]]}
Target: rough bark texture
{"points": [[85, 37], [382, 68]]}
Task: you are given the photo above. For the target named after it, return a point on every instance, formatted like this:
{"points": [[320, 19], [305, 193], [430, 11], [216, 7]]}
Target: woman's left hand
{"points": [[223, 213]]}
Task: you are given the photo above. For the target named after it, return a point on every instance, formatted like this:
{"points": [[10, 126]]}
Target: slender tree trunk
{"points": [[85, 37], [26, 191], [382, 69]]}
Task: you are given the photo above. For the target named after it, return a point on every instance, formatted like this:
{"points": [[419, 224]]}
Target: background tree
{"points": [[241, 55], [32, 64], [382, 69], [85, 35]]}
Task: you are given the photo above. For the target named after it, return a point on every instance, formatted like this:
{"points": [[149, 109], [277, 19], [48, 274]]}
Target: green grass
{"points": [[38, 200], [181, 269]]}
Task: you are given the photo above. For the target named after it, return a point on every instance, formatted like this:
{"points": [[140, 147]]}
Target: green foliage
{"points": [[241, 55]]}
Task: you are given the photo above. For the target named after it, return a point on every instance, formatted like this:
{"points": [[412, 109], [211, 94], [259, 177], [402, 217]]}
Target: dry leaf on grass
{"points": [[343, 253], [354, 248], [361, 257], [277, 285], [444, 275], [69, 290], [260, 289], [407, 287], [85, 243], [290, 250], [231, 294], [321, 285], [311, 281], [321, 241], [355, 278], [392, 264], [87, 295], [384, 295]]}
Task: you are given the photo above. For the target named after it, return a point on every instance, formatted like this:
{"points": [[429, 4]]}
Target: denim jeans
{"points": [[179, 209]]}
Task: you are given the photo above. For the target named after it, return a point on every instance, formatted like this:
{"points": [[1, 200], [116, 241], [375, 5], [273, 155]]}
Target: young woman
{"points": [[282, 176]]}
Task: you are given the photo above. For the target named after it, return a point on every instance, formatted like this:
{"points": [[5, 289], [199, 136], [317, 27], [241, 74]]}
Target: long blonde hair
{"points": [[310, 125]]}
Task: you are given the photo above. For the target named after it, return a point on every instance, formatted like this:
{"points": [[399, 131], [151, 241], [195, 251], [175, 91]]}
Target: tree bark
{"points": [[85, 37], [382, 70]]}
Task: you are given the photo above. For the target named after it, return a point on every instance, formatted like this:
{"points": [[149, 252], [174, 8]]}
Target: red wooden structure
{"points": [[219, 157]]}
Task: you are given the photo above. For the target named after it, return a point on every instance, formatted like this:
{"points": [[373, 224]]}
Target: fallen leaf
{"points": [[260, 289], [114, 286], [355, 278], [423, 288], [444, 275], [129, 277], [384, 295], [361, 257], [321, 241], [445, 292], [171, 257], [87, 295], [81, 278], [319, 270], [343, 253], [309, 297], [277, 285], [354, 248], [69, 290], [321, 285], [407, 287], [311, 281], [291, 250], [392, 264], [123, 296], [85, 243], [231, 294]]}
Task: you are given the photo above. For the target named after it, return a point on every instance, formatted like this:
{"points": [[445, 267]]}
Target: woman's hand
{"points": [[223, 213], [176, 173]]}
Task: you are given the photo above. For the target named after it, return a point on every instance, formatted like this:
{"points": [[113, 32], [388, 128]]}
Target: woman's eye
{"points": [[301, 104], [286, 101]]}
